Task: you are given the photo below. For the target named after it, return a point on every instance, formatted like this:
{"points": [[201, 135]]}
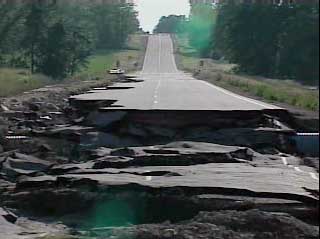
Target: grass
{"points": [[15, 81], [221, 73], [102, 61], [274, 91]]}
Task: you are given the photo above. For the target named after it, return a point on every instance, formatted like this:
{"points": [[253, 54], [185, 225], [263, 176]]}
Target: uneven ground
{"points": [[59, 180]]}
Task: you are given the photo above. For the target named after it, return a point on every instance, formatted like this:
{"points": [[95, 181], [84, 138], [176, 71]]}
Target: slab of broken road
{"points": [[156, 155]]}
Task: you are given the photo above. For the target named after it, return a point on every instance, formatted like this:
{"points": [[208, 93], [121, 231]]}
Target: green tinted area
{"points": [[115, 213]]}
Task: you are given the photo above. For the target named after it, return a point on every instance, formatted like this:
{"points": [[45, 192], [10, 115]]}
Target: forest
{"points": [[276, 41], [56, 40]]}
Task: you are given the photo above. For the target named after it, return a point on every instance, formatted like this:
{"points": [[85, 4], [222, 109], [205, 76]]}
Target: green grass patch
{"points": [[15, 81], [102, 61], [273, 91]]}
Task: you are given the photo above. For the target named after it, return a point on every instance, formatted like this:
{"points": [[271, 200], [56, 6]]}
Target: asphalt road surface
{"points": [[164, 87]]}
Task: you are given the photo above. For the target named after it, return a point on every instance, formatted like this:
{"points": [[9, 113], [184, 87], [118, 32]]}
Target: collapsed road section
{"points": [[156, 156]]}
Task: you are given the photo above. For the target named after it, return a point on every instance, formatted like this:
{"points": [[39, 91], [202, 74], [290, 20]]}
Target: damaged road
{"points": [[103, 165]]}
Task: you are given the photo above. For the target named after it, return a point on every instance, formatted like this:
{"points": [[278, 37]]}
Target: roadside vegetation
{"points": [[222, 73], [102, 60], [14, 81], [43, 43], [18, 80], [266, 51], [57, 40]]}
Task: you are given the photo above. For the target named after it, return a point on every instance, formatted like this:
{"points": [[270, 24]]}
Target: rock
{"points": [[12, 227], [261, 223], [106, 119], [34, 106], [52, 107], [10, 217], [125, 152], [9, 230], [20, 164], [3, 128], [101, 139], [170, 233], [44, 148], [136, 131], [4, 108], [161, 131], [224, 225], [25, 182], [70, 132]]}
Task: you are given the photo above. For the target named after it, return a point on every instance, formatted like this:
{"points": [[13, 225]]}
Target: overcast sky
{"points": [[150, 11]]}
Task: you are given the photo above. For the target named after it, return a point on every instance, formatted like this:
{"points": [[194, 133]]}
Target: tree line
{"points": [[270, 40], [279, 41], [57, 40]]}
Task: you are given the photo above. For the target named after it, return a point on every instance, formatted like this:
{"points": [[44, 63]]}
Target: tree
{"points": [[54, 54], [113, 24], [10, 30], [270, 40], [79, 48], [200, 28], [299, 50], [171, 24], [35, 31], [57, 39]]}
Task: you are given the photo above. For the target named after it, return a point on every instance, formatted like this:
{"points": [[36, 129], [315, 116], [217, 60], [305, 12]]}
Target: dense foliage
{"points": [[171, 24], [56, 40], [201, 28], [270, 40]]}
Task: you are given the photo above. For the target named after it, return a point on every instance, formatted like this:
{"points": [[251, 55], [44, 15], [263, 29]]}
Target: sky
{"points": [[150, 11]]}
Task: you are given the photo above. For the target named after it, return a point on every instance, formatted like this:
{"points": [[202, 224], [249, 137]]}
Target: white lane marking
{"points": [[314, 176], [285, 161], [149, 178], [147, 54], [160, 50], [241, 97], [172, 55], [158, 85], [298, 169]]}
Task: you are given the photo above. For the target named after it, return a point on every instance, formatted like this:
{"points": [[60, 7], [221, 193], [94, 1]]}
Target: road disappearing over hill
{"points": [[164, 87]]}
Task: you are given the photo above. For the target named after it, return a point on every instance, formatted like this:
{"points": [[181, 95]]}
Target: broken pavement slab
{"points": [[18, 164]]}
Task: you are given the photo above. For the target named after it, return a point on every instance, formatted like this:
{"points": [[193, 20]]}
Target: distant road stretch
{"points": [[166, 88]]}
